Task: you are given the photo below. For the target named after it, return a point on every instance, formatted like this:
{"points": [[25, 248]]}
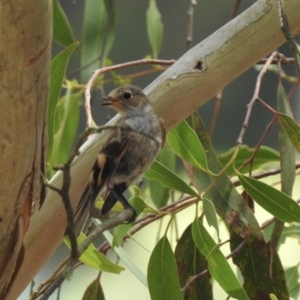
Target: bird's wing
{"points": [[107, 161], [110, 155]]}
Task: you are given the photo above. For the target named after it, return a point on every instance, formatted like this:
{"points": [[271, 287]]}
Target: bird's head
{"points": [[127, 100]]}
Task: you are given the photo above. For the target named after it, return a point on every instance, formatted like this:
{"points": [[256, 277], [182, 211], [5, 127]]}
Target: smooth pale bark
{"points": [[25, 54], [191, 81]]}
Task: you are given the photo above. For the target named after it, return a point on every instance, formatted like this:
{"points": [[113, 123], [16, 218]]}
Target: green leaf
{"points": [[292, 279], [168, 178], [58, 69], [160, 193], [66, 122], [234, 211], [217, 264], [191, 262], [98, 34], [62, 31], [167, 158], [122, 254], [155, 28], [121, 230], [292, 129], [184, 142], [274, 201], [229, 204], [93, 258], [254, 263], [162, 273], [94, 291], [232, 208], [287, 162], [287, 152], [291, 231], [263, 156], [210, 214]]}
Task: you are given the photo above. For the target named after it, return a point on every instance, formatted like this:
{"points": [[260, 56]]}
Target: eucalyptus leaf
{"points": [[217, 263], [128, 262], [160, 194], [264, 155], [98, 34], [94, 291], [155, 28], [58, 69], [184, 142], [62, 30], [272, 200], [287, 151], [210, 215], [190, 262], [162, 275], [292, 231], [287, 162], [292, 129], [292, 278], [93, 258], [253, 262], [168, 178], [66, 122], [220, 191]]}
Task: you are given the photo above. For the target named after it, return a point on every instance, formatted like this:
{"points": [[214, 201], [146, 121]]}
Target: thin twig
{"points": [[119, 219], [98, 72], [235, 9], [271, 172], [254, 98], [134, 75], [284, 60], [190, 14], [139, 224], [268, 107], [251, 158], [43, 286], [193, 278]]}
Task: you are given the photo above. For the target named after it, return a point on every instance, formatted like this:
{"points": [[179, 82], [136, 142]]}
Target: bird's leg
{"points": [[115, 191]]}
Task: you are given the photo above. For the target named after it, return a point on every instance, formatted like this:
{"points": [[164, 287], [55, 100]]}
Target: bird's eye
{"points": [[127, 95]]}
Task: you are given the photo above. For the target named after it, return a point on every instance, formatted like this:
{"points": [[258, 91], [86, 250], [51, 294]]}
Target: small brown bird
{"points": [[127, 153]]}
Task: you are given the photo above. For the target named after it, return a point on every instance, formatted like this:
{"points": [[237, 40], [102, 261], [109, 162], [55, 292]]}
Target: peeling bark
{"points": [[25, 53]]}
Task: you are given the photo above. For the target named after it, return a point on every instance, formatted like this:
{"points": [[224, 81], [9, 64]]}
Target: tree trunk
{"points": [[25, 53]]}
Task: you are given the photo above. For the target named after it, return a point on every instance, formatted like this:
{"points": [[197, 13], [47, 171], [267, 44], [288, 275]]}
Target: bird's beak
{"points": [[109, 101]]}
